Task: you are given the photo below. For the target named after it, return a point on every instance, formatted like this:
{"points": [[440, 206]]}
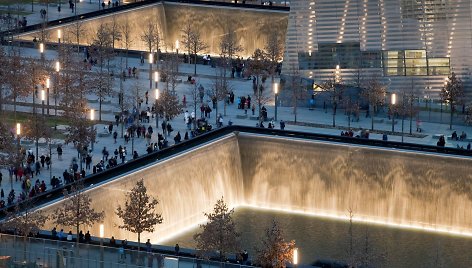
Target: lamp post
{"points": [[59, 35], [102, 234], [43, 97], [48, 84], [18, 133], [156, 110], [403, 114], [58, 69], [151, 59], [41, 50], [276, 91], [156, 79], [295, 257], [177, 46], [92, 118], [393, 101]]}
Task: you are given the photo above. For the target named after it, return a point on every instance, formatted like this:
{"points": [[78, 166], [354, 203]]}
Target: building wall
{"points": [[408, 43]]}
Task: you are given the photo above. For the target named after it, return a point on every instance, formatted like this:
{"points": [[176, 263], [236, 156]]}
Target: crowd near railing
{"points": [[18, 251]]}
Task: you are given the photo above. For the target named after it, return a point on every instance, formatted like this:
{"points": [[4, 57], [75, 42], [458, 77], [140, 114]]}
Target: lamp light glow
{"points": [[59, 33], [157, 94], [41, 48], [394, 99], [18, 129], [58, 66], [102, 231], [48, 83], [177, 45], [43, 95], [276, 88], [156, 76], [295, 256], [92, 114], [151, 58]]}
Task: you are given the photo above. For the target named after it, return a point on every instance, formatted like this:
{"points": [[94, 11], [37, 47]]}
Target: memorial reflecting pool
{"points": [[324, 238], [392, 188]]}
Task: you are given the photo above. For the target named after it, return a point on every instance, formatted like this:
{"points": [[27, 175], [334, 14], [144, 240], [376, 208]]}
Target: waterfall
{"points": [[386, 186]]}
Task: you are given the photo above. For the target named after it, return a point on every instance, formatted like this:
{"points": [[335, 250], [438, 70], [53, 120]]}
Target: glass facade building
{"points": [[407, 43]]}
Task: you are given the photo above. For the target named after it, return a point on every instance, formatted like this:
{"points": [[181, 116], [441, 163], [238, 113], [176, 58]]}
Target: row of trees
{"points": [[218, 235]]}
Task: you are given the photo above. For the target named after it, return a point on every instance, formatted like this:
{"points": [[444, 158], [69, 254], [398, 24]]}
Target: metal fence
{"points": [[17, 251]]}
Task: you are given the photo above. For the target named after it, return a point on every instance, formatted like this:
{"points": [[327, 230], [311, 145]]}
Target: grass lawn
{"points": [[21, 117]]}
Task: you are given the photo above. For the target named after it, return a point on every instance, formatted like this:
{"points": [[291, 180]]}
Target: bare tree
{"points": [[25, 220], [407, 106], [452, 93], [219, 233], [126, 40], [10, 154], [275, 251], [374, 92], [295, 88], [76, 30], [168, 105], [220, 89], [77, 210], [102, 50], [169, 74], [36, 128], [274, 49], [351, 107], [335, 90], [138, 213], [151, 36], [229, 45], [3, 77], [258, 67], [115, 31], [193, 42], [15, 80]]}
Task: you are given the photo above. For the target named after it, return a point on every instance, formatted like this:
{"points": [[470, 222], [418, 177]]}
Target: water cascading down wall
{"points": [[251, 26], [386, 186]]}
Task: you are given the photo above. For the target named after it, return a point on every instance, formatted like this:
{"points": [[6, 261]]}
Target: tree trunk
{"points": [[100, 100], [195, 64], [452, 114], [334, 114], [372, 119]]}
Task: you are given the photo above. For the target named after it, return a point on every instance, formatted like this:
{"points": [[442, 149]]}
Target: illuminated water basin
{"points": [[401, 189], [327, 238]]}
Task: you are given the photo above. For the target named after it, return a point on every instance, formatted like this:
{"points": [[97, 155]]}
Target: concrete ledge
{"points": [[449, 138], [241, 116], [103, 134], [254, 117], [379, 120], [436, 136], [92, 101], [389, 122]]}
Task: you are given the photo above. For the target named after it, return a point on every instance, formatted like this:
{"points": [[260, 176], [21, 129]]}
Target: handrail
{"points": [[220, 132]]}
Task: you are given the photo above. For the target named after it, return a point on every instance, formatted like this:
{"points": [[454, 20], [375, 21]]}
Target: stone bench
{"points": [[241, 116], [103, 134], [379, 120], [436, 136], [92, 100], [254, 117], [389, 122]]}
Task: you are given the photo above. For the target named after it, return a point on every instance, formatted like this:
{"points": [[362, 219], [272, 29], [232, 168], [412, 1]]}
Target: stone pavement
{"points": [[33, 16], [241, 87]]}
